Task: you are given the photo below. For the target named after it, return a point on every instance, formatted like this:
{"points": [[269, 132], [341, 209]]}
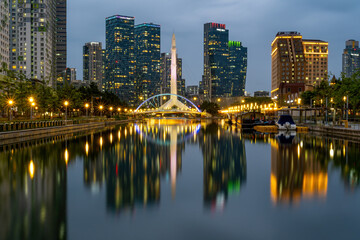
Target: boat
{"points": [[286, 123]]}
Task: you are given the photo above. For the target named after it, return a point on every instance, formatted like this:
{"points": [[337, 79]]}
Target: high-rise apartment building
{"points": [[61, 42], [4, 32], [297, 65], [288, 66], [69, 75], [120, 59], [316, 57], [165, 74], [237, 68], [93, 63], [216, 54], [33, 39], [147, 55], [351, 58]]}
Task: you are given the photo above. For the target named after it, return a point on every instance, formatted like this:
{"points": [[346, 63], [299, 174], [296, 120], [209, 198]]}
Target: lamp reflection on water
{"points": [[31, 169], [66, 155], [87, 148]]}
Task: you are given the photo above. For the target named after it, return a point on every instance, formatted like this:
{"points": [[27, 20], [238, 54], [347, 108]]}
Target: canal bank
{"points": [[341, 132], [29, 134]]}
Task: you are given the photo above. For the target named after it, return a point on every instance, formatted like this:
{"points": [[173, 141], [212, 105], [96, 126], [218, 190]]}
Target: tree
{"points": [[210, 107]]}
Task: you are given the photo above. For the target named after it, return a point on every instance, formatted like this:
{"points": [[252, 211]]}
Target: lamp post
{"points": [[346, 101], [66, 103], [10, 103], [101, 108], [111, 109], [87, 108], [32, 103]]}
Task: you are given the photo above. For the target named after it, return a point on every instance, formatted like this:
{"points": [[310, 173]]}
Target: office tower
{"points": [[93, 63], [316, 58], [69, 75], [103, 52], [33, 39], [61, 43], [120, 59], [165, 74], [4, 32], [351, 58], [147, 55], [288, 66], [216, 53], [261, 94], [237, 68]]}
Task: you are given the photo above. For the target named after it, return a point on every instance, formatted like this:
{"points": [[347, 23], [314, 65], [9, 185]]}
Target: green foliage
{"points": [[210, 107]]}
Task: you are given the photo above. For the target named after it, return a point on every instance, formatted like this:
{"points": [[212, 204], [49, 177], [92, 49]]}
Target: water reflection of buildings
{"points": [[296, 170], [33, 194], [224, 164]]}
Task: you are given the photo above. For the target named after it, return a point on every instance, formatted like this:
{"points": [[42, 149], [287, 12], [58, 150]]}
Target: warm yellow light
{"points": [[119, 109], [10, 102], [66, 103], [87, 148], [31, 99], [86, 105], [125, 110], [345, 98], [332, 100], [164, 97], [33, 104], [195, 98], [101, 107], [110, 108], [31, 169], [299, 100], [101, 141], [66, 156], [218, 99]]}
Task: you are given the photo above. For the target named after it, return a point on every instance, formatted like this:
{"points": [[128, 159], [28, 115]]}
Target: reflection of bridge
{"points": [[153, 105]]}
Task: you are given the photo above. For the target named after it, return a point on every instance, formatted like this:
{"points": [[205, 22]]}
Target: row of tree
{"points": [[16, 86], [335, 91]]}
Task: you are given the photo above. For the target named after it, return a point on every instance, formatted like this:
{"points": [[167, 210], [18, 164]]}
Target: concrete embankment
{"points": [[25, 135], [339, 132]]}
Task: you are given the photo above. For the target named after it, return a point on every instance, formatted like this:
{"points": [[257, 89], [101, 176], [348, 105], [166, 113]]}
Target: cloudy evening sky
{"points": [[253, 22]]}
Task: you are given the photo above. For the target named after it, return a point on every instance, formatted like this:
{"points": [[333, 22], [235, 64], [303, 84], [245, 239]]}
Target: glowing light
{"points": [[87, 148], [101, 107], [101, 141], [66, 103], [10, 102], [31, 169], [86, 105], [331, 150], [31, 99], [66, 156]]}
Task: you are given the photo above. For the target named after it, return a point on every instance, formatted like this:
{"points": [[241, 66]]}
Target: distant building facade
{"points": [[225, 64], [351, 58], [261, 94], [69, 75], [61, 34], [120, 59], [165, 74], [93, 63], [316, 57], [33, 39], [237, 68], [147, 59], [4, 32], [192, 90]]}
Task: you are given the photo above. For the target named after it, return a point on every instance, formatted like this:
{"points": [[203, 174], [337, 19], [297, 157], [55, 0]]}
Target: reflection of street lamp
{"points": [[87, 108], [101, 108], [66, 103], [10, 103]]}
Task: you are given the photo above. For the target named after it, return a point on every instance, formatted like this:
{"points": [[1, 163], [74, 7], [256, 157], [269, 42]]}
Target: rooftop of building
{"points": [[288, 33], [121, 17], [314, 40], [216, 25], [147, 25]]}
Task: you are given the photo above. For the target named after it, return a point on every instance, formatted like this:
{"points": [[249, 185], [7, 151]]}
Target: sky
{"points": [[253, 22]]}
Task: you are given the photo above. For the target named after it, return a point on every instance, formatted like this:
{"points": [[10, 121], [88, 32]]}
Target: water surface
{"points": [[180, 180]]}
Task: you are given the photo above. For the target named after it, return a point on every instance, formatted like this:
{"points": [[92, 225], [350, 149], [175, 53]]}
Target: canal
{"points": [[176, 179]]}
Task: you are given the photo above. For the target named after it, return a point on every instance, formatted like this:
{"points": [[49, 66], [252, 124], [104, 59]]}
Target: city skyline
{"points": [[256, 31]]}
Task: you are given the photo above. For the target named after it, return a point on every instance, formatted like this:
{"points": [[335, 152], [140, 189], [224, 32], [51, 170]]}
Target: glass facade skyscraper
{"points": [[120, 59], [237, 68], [165, 74], [216, 54], [351, 58], [61, 42], [147, 55]]}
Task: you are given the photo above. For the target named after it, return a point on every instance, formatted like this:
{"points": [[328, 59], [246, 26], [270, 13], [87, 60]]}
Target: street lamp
{"points": [[101, 108], [10, 103], [66, 103], [32, 104], [110, 108], [87, 108], [346, 100]]}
